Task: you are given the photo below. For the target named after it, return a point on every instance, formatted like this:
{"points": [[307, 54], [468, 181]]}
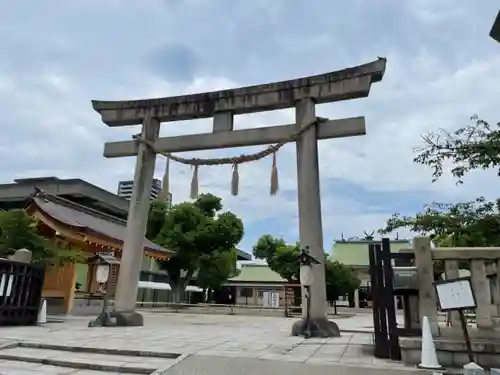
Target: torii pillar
{"points": [[310, 224], [302, 94]]}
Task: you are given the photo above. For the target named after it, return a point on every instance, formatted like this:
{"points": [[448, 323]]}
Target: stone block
{"points": [[318, 327], [452, 352], [21, 255], [472, 368]]}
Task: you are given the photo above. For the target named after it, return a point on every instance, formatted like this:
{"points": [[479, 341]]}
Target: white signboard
{"points": [[102, 273], [270, 299], [275, 299], [455, 295]]}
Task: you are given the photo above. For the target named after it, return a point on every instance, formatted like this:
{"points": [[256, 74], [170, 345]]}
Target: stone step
{"points": [[117, 363], [91, 349], [25, 368]]}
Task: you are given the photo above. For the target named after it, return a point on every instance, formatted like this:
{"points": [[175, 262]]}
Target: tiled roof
{"points": [[242, 255], [257, 273], [355, 253], [85, 219]]}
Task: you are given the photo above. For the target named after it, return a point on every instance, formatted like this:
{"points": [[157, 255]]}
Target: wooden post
{"points": [[426, 292], [69, 272], [392, 325], [379, 319]]}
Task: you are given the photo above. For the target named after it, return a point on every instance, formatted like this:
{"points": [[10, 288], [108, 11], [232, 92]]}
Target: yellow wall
{"points": [[60, 282], [81, 275]]}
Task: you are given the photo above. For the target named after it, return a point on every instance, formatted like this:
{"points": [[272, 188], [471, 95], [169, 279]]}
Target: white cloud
{"points": [[53, 67]]}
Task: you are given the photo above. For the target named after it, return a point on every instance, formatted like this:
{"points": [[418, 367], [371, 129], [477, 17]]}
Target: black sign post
{"points": [[457, 295]]}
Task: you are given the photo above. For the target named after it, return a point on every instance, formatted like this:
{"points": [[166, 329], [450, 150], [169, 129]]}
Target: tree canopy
{"points": [[215, 268], [156, 218], [280, 257], [468, 224], [284, 260], [340, 280], [474, 223], [204, 239], [18, 230], [476, 146]]}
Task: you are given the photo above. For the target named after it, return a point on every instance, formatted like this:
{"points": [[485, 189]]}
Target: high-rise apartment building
{"points": [[125, 190]]}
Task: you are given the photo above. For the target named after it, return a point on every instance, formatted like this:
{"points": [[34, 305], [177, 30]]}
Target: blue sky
{"points": [[442, 68]]}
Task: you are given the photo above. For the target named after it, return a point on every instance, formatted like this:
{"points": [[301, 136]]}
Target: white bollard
{"points": [[428, 357], [42, 314]]}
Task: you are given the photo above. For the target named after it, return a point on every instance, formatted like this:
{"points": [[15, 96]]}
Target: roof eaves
{"points": [[149, 245]]}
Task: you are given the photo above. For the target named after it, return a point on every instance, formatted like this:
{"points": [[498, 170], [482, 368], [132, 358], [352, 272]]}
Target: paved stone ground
{"points": [[213, 365], [242, 338]]}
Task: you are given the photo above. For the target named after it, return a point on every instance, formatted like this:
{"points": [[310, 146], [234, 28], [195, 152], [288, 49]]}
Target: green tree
{"points": [[340, 280], [284, 260], [468, 224], [475, 223], [280, 257], [156, 218], [476, 146], [215, 268], [199, 233], [18, 230]]}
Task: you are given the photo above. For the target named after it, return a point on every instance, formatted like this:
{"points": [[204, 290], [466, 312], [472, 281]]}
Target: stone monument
{"points": [[302, 94]]}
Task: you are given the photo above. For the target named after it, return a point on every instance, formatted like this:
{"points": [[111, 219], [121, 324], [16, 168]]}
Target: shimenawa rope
{"points": [[234, 161]]}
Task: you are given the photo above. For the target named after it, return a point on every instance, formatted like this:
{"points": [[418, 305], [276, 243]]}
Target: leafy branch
{"points": [[476, 146], [474, 223]]}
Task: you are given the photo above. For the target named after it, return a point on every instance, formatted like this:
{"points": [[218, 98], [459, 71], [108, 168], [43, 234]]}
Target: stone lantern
{"points": [[307, 262], [103, 263]]}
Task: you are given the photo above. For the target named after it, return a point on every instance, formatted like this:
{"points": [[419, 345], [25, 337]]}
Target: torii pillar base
{"points": [[127, 318], [317, 327], [118, 319]]}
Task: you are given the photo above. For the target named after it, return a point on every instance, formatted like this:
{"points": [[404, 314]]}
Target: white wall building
{"points": [[125, 190]]}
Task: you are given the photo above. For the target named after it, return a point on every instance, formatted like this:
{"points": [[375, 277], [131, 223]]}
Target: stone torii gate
{"points": [[222, 106]]}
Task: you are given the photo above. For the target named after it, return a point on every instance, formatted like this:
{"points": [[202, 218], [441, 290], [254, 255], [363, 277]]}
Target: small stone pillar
{"points": [[425, 271], [356, 298], [21, 255]]}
